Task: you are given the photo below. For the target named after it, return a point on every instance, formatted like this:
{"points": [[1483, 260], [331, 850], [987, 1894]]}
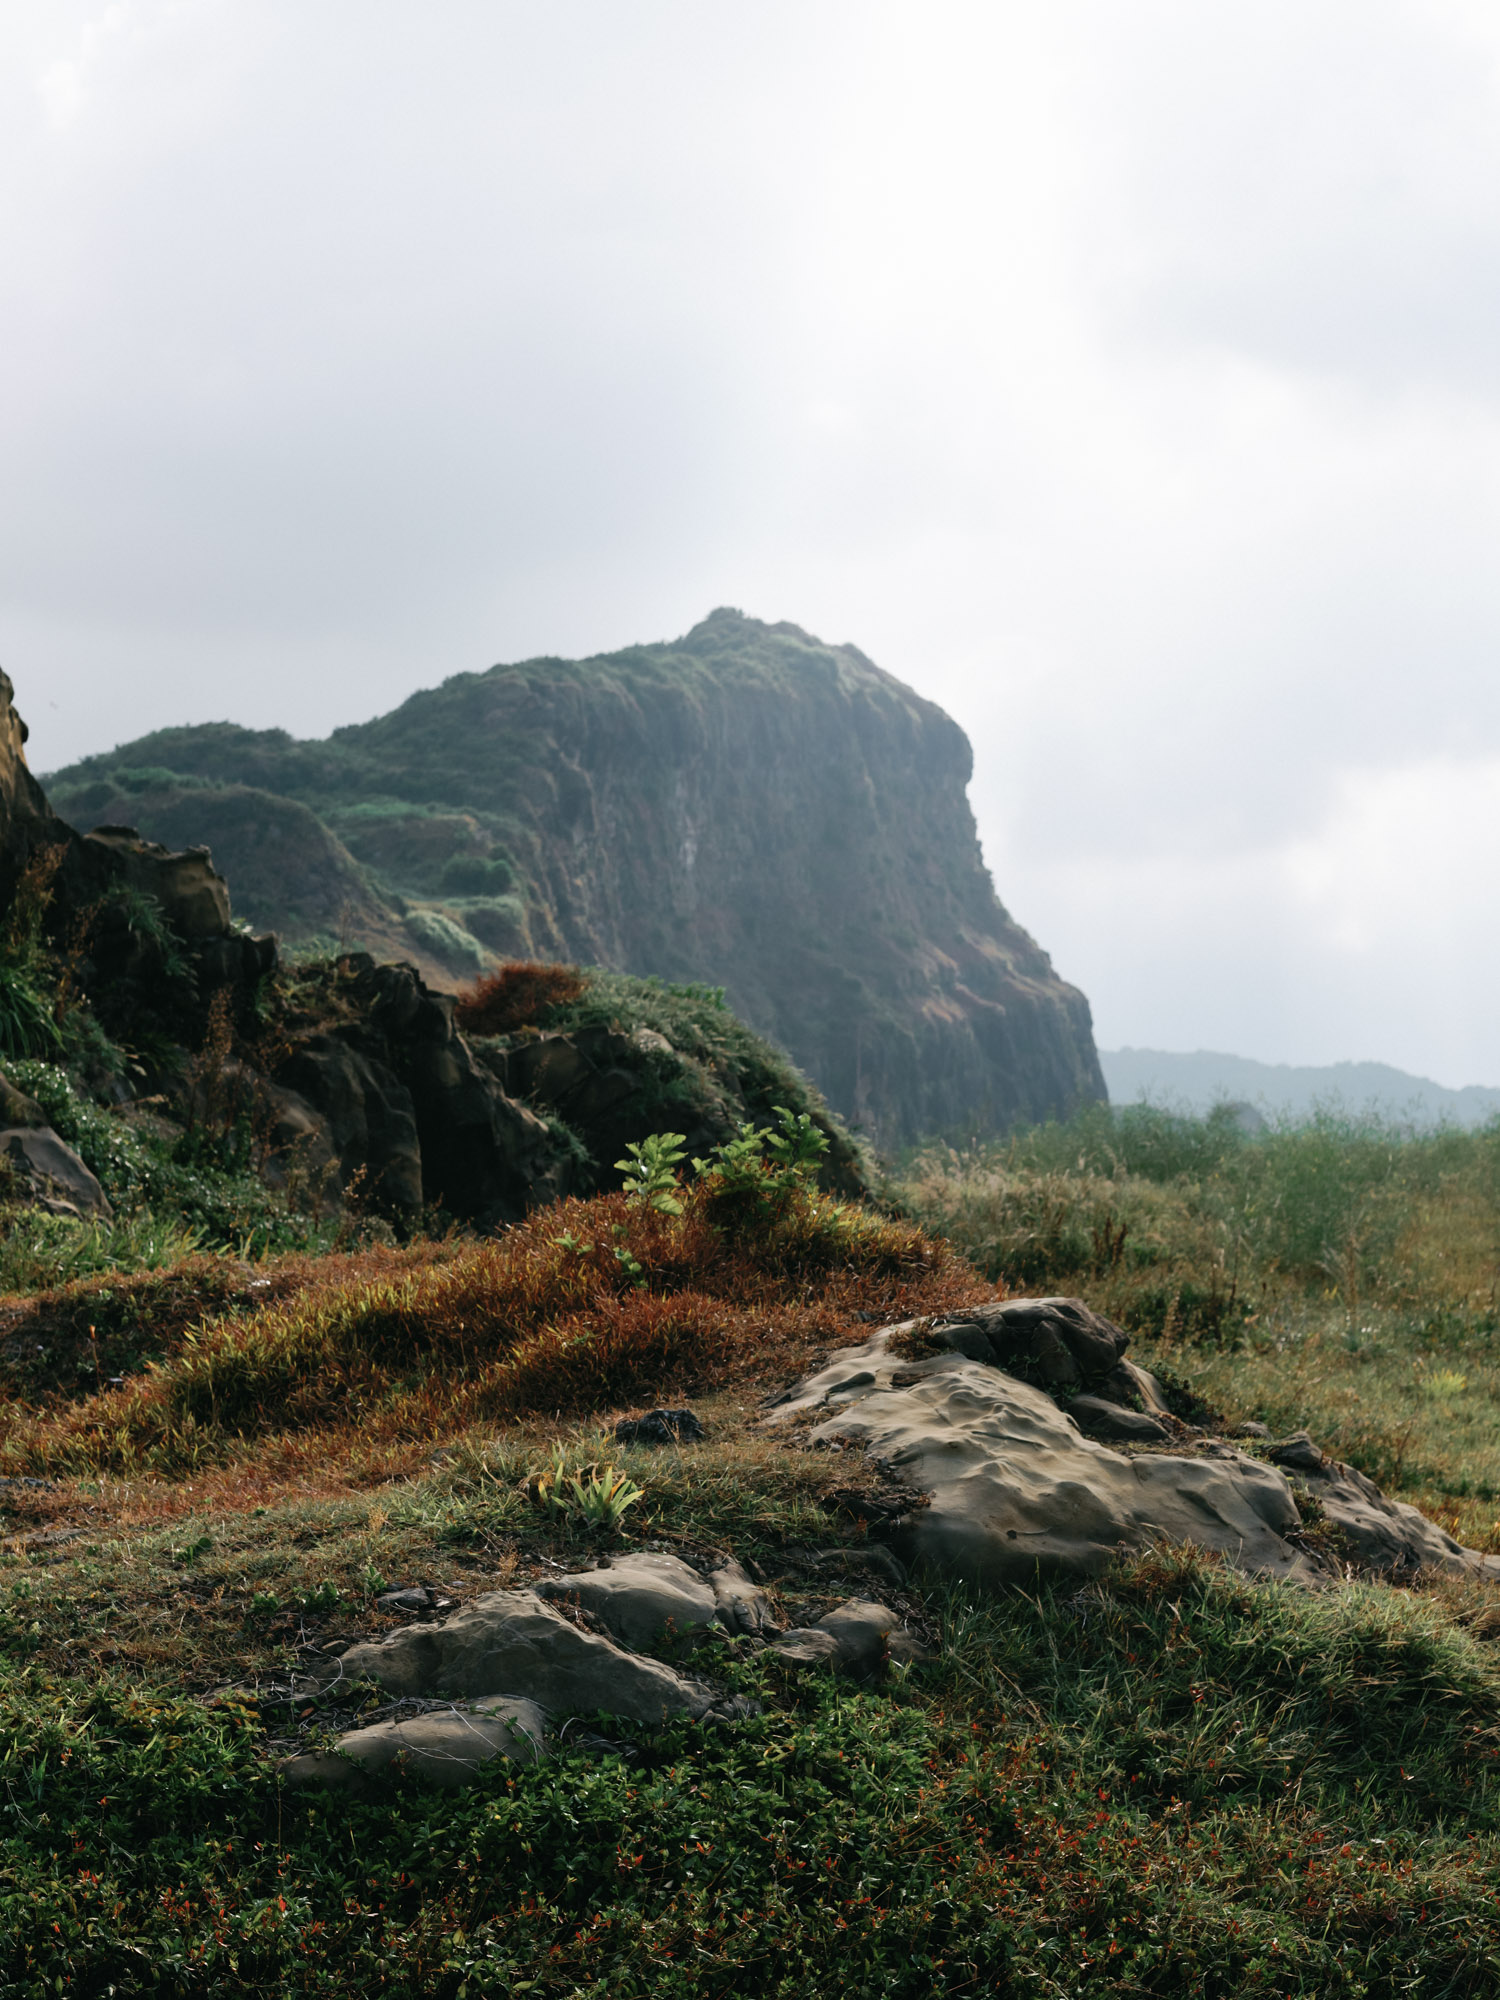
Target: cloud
{"points": [[1120, 377]]}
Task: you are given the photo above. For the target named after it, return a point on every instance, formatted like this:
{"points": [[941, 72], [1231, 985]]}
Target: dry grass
{"points": [[355, 1364], [514, 995]]}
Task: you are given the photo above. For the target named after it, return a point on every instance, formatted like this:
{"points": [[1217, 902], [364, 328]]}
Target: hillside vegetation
{"points": [[1169, 1781]]}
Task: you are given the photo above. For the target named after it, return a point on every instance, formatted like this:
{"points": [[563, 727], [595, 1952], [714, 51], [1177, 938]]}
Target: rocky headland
{"points": [[745, 807]]}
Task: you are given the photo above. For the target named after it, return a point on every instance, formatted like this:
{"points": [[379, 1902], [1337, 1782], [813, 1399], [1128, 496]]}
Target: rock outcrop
{"points": [[745, 806], [1015, 1491], [493, 1679]]}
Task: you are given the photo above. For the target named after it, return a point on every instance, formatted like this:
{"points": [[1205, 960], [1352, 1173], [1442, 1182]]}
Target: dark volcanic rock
{"points": [[660, 1427], [414, 1118]]}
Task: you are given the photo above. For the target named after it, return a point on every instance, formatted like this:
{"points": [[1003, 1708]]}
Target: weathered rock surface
{"points": [[1017, 1491], [640, 1599], [1057, 1343], [58, 1179], [859, 1637], [1382, 1534], [745, 806], [1098, 1418], [743, 1607], [412, 1116], [446, 1747], [511, 1642]]}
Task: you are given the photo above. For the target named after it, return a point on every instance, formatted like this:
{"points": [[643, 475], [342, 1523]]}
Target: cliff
{"points": [[746, 807]]}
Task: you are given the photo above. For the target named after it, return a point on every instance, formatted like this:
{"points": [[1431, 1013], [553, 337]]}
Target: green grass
{"points": [[1170, 1783], [1167, 1782]]}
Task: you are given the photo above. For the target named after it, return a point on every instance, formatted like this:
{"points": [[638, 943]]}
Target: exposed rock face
{"points": [[747, 807], [408, 1102], [512, 1643], [27, 821], [1015, 1491], [1381, 1534], [1018, 1492]]}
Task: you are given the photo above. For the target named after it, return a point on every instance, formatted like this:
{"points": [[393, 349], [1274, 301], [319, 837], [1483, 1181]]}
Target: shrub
{"points": [[513, 996]]}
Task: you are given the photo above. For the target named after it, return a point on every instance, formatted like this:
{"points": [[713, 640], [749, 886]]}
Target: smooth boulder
{"points": [[59, 1181], [511, 1642], [640, 1599], [445, 1747]]}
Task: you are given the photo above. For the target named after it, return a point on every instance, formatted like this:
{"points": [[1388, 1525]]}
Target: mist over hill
{"points": [[1206, 1077], [745, 807]]}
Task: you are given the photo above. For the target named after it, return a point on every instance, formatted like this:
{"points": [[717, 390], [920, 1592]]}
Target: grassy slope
{"points": [[1337, 1274], [1168, 1782]]}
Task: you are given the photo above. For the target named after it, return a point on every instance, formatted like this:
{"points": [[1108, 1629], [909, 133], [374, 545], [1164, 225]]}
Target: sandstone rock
{"points": [[192, 895], [743, 1607], [1102, 1419], [857, 1637], [410, 1597], [369, 1116], [59, 1180], [513, 1643], [1382, 1534], [806, 1646], [1017, 1492], [1056, 1343], [639, 1599], [445, 1747], [862, 1629]]}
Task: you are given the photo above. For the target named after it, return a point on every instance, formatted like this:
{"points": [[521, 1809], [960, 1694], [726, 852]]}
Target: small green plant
{"points": [[320, 1600], [264, 1606], [798, 1148], [651, 1170], [595, 1496], [765, 1172], [627, 1260]]}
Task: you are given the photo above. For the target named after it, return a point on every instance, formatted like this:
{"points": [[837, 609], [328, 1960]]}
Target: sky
{"points": [[1125, 379]]}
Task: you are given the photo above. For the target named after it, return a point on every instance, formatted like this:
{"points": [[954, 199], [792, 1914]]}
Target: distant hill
{"points": [[744, 807], [1199, 1080]]}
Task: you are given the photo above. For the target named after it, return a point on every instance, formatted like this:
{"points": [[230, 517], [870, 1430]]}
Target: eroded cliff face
{"points": [[746, 807]]}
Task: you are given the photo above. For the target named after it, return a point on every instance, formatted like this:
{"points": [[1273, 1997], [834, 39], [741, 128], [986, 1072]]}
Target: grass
{"points": [[1338, 1274], [1165, 1782], [1170, 1783]]}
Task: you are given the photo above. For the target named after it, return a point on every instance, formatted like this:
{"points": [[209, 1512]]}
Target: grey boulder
{"points": [[858, 1637], [512, 1642], [445, 1747], [641, 1599], [58, 1179], [743, 1607], [1016, 1490], [1381, 1534]]}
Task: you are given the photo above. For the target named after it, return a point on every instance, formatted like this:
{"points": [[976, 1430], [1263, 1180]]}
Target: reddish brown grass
{"points": [[358, 1362], [513, 995]]}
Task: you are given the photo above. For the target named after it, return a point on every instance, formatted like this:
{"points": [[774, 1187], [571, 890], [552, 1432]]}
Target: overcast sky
{"points": [[1125, 378]]}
